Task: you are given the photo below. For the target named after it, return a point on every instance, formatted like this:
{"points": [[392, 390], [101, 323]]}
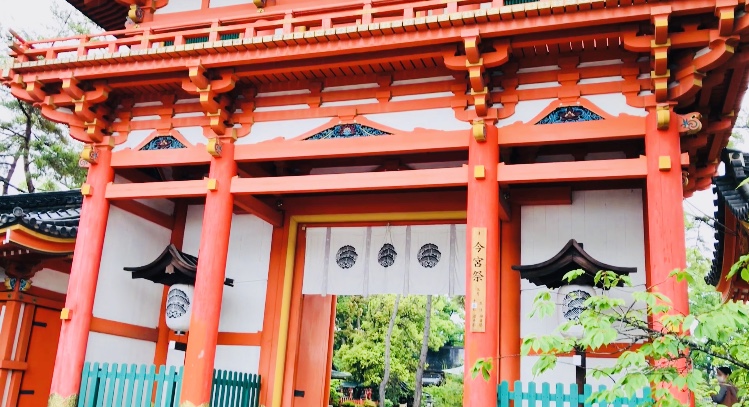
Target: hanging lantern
{"points": [[179, 307], [572, 299]]}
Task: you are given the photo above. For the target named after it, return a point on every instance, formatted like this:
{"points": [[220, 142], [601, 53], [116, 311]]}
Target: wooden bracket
{"points": [[690, 124], [90, 154], [663, 116], [214, 147], [479, 130]]}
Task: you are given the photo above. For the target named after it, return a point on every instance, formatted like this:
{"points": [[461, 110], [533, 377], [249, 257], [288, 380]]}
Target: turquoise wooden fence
{"points": [[105, 385], [547, 396]]}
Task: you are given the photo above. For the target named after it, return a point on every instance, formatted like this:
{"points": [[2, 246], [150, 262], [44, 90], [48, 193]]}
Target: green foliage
{"points": [[369, 403], [335, 394], [450, 394], [36, 147], [35, 153], [349, 404], [687, 346], [361, 325]]}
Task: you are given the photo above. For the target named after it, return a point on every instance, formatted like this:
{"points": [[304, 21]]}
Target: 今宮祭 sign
{"points": [[478, 279]]}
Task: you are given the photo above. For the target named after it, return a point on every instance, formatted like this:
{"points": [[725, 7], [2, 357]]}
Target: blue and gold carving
{"points": [[163, 143], [350, 130], [10, 284], [570, 114]]}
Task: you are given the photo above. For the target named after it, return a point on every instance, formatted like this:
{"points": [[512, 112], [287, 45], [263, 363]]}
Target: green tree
{"points": [[33, 150], [714, 333], [450, 394], [361, 328]]}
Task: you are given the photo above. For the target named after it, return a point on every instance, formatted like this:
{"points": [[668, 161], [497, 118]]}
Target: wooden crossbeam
{"points": [[427, 142], [599, 170], [632, 168], [146, 190], [259, 208], [392, 180]]}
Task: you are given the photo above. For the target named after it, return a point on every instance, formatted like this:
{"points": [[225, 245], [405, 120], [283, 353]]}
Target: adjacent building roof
{"points": [[730, 196], [107, 14], [550, 273], [54, 214], [171, 267]]}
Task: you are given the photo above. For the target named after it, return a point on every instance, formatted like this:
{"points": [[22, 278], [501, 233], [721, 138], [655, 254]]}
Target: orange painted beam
{"points": [[158, 158], [167, 189], [370, 181], [541, 196], [613, 129], [378, 202], [260, 209], [427, 142], [632, 168], [239, 339], [34, 300], [116, 328], [146, 212]]}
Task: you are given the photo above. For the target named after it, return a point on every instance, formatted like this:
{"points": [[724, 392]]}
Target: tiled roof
{"points": [[171, 267], [550, 273], [53, 214], [725, 187]]}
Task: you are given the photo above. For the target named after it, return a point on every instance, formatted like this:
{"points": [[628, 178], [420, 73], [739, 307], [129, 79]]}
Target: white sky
{"points": [[36, 16]]}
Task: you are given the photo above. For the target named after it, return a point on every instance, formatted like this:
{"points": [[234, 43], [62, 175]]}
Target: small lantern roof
{"points": [[550, 273], [171, 267]]}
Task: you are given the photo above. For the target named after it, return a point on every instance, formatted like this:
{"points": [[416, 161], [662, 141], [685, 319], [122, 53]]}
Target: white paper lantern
{"points": [[179, 307], [571, 299]]}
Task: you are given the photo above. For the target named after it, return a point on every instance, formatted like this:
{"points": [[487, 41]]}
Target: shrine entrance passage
{"points": [[41, 349], [417, 259]]}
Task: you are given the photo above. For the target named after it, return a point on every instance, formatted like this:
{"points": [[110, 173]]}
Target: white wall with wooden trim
{"points": [[609, 224]]}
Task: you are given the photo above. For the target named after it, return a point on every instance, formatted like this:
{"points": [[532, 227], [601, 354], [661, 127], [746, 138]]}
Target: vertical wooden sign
{"points": [[478, 279]]}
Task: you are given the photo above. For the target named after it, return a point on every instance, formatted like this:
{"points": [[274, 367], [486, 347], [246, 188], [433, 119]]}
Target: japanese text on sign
{"points": [[478, 279]]}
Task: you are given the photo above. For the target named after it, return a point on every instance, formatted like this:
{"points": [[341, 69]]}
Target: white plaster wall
{"points": [[610, 226], [245, 359], [243, 305], [134, 138], [176, 6], [287, 129], [616, 104], [222, 3], [564, 372], [129, 241], [51, 280], [116, 349], [435, 119]]}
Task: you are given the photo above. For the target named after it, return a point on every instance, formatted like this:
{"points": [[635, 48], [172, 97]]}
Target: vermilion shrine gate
{"points": [[255, 136]]}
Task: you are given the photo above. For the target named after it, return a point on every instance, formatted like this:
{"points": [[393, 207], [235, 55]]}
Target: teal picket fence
{"points": [[105, 385], [547, 396]]}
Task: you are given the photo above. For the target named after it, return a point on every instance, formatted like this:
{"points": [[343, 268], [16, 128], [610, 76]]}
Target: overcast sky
{"points": [[35, 16]]}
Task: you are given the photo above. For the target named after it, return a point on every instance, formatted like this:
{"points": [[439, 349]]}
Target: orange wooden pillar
{"points": [[482, 337], [665, 216], [8, 330], [178, 236], [209, 282], [509, 300], [84, 273]]}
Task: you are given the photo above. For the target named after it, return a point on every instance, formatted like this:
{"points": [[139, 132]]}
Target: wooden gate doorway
{"points": [[40, 357], [309, 348]]}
